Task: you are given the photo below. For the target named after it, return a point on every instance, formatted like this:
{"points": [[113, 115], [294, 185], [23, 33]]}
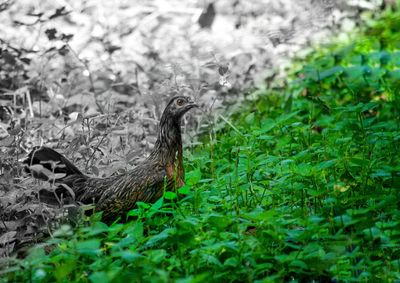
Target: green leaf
{"points": [[165, 234], [97, 228], [135, 230], [326, 164], [157, 205], [250, 118], [128, 256], [90, 247], [99, 277], [231, 262], [298, 263], [304, 169], [334, 71], [64, 269], [170, 195], [193, 177], [184, 190]]}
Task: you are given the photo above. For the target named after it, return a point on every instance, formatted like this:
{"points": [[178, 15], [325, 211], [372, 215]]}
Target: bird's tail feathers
{"points": [[47, 164]]}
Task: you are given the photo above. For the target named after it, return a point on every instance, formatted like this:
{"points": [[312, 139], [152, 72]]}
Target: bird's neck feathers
{"points": [[169, 141]]}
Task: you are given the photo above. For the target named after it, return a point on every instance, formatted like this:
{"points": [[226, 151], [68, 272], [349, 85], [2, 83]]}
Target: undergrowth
{"points": [[302, 184]]}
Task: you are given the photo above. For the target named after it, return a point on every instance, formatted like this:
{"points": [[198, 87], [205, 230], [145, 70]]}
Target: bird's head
{"points": [[178, 106], [169, 140]]}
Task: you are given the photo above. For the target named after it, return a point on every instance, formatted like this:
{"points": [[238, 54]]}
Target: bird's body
{"points": [[116, 195]]}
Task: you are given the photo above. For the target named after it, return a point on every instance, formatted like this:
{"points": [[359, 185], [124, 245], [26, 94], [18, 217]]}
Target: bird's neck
{"points": [[168, 146]]}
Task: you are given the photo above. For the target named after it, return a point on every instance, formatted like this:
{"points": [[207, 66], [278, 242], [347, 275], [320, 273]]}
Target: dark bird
{"points": [[118, 194]]}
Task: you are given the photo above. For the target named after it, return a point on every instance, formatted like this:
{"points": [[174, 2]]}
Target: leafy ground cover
{"points": [[302, 184]]}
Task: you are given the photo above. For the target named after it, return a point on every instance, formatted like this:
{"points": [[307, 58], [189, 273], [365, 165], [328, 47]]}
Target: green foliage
{"points": [[301, 186]]}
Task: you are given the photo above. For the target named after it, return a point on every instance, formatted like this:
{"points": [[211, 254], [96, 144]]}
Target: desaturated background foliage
{"points": [[92, 77]]}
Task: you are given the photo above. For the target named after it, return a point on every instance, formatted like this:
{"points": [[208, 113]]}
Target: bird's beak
{"points": [[193, 104]]}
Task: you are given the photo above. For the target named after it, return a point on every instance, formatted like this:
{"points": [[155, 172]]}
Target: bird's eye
{"points": [[180, 102]]}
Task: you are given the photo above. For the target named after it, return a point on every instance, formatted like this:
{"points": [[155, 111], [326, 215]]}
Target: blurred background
{"points": [[65, 62], [95, 55]]}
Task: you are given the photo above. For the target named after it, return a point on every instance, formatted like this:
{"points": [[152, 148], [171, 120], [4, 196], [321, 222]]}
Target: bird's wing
{"points": [[145, 184]]}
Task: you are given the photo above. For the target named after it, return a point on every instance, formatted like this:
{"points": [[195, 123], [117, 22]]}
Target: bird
{"points": [[116, 195]]}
